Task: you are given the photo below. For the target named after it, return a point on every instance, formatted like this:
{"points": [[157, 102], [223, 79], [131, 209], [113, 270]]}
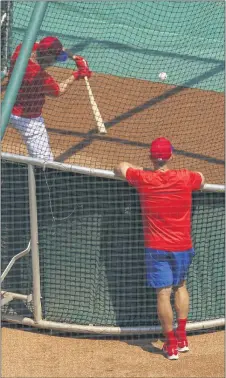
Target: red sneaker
{"points": [[170, 351], [182, 342]]}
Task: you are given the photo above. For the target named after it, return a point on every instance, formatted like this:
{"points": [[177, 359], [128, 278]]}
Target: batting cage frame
{"points": [[34, 300], [71, 230]]}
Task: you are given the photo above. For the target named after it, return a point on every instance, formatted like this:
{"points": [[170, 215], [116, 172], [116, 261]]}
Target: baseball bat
{"points": [[96, 112], [100, 124]]}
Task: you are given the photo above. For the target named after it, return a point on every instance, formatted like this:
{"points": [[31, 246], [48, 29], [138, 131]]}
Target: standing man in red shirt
{"points": [[166, 201], [26, 115]]}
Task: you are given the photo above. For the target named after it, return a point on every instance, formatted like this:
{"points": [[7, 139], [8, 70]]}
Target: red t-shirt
{"points": [[166, 200], [36, 84]]}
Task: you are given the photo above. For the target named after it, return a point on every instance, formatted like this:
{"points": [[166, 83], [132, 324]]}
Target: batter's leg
{"points": [[35, 136]]}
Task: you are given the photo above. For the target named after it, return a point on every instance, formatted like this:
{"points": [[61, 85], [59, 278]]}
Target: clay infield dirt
{"points": [[134, 112], [27, 355]]}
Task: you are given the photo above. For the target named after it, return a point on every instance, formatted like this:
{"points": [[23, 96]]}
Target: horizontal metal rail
{"points": [[8, 296], [84, 170], [23, 297], [103, 330]]}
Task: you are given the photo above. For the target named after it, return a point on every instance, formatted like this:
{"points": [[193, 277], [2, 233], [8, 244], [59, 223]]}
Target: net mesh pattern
{"points": [[92, 253], [127, 44], [90, 229]]}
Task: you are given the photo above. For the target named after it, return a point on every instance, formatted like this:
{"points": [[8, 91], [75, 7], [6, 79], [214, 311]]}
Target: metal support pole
{"points": [[34, 244], [6, 24], [9, 32], [21, 63]]}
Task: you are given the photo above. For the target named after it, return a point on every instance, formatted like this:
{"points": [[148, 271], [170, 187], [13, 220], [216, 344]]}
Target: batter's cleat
{"points": [[170, 351], [182, 343]]}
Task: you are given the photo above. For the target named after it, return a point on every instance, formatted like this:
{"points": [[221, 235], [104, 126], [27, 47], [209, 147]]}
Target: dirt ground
{"points": [[134, 112], [27, 354]]}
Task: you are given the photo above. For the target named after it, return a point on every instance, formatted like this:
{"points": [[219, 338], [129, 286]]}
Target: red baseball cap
{"points": [[52, 46], [161, 149]]}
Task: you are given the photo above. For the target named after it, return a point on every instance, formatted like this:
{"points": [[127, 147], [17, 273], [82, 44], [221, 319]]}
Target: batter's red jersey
{"points": [[36, 84], [166, 200]]}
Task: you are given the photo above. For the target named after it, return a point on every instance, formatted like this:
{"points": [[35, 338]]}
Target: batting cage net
{"points": [[127, 44], [91, 250], [89, 228]]}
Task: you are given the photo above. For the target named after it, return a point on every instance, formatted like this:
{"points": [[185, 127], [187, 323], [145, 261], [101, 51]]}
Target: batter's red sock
{"points": [[170, 338], [181, 328]]}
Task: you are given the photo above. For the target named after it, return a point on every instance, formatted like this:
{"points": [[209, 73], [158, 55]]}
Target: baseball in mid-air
{"points": [[162, 76]]}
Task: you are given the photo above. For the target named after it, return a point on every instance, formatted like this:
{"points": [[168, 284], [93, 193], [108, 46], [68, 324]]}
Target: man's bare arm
{"points": [[203, 180], [121, 168], [65, 84]]}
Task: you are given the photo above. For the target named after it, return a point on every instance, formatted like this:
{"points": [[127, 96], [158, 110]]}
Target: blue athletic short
{"points": [[167, 268]]}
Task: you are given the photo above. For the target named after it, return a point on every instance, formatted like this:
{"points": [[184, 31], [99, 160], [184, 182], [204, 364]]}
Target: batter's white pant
{"points": [[34, 134]]}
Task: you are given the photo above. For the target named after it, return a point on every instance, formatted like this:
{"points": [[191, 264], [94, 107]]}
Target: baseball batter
{"points": [[26, 114]]}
